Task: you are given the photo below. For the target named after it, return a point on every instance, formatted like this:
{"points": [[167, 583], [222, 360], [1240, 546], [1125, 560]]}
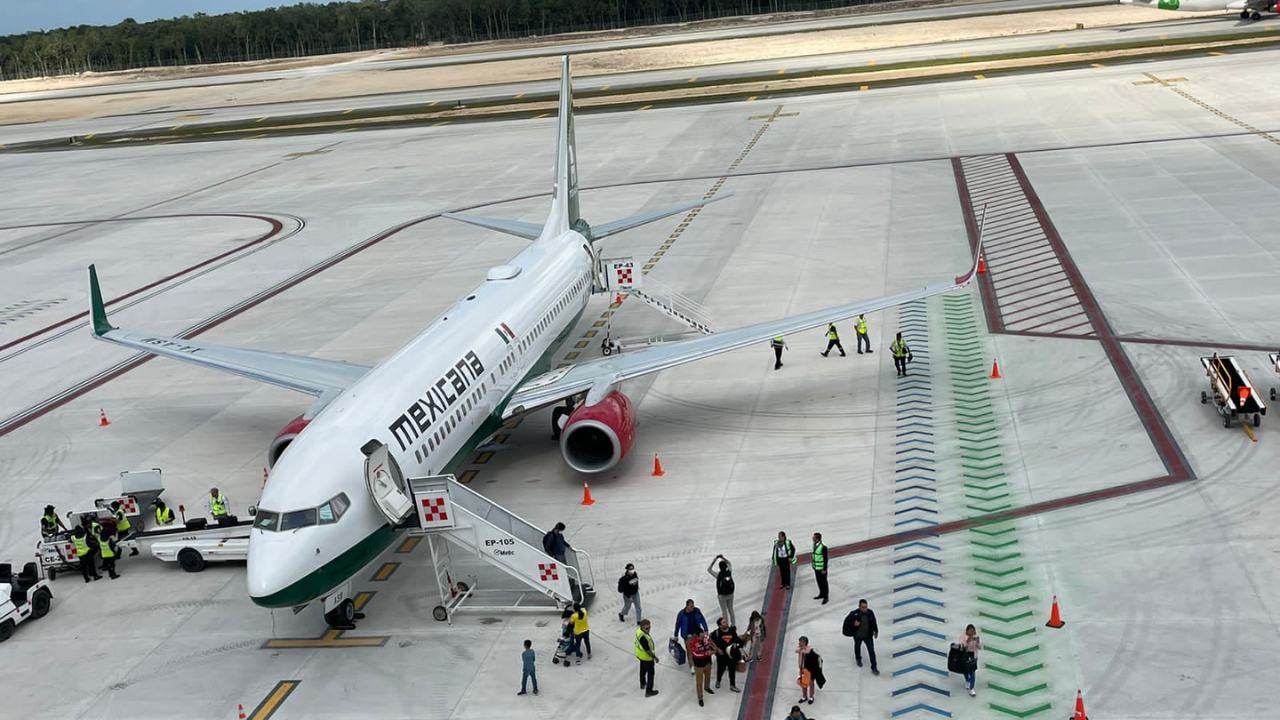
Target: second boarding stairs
{"points": [[622, 276]]}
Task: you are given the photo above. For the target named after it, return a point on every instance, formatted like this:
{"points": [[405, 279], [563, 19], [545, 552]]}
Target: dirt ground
{"points": [[337, 83]]}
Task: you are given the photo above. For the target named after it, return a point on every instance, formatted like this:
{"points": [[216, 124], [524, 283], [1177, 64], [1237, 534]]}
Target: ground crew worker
{"points": [[862, 334], [647, 654], [820, 567], [108, 550], [833, 340], [164, 515], [218, 504], [50, 522], [84, 553], [784, 556], [777, 344], [122, 524], [901, 355]]}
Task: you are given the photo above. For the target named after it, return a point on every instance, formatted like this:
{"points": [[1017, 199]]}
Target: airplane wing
{"points": [[308, 375], [598, 377]]}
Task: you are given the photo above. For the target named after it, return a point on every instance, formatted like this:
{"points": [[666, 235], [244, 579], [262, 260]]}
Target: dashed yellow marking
{"points": [[1215, 52], [646, 107], [519, 95], [256, 137], [442, 122], [344, 131], [598, 323], [864, 87], [384, 572], [1097, 65], [693, 79], [606, 87], [274, 700], [979, 77], [783, 71], [262, 119], [347, 111], [592, 333], [581, 344], [1063, 46], [1164, 37], [86, 137], [467, 476], [331, 639], [193, 116], [572, 356], [433, 103], [964, 54], [751, 99], [175, 127], [1248, 431], [484, 457], [500, 438], [408, 545], [538, 117]]}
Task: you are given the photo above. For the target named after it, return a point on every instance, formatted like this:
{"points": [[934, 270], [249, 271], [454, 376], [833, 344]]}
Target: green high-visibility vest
{"points": [[862, 326], [49, 524], [819, 557], [790, 551], [776, 342], [165, 516], [640, 652], [831, 332], [898, 348], [82, 545], [219, 505]]}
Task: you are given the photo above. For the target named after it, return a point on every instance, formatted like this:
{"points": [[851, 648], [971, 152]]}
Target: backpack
{"points": [[847, 629], [546, 541], [724, 583]]}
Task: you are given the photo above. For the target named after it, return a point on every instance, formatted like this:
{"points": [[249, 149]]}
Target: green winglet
{"points": [[97, 309]]}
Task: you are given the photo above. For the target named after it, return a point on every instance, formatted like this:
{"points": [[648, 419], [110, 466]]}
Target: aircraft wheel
{"points": [[1255, 17], [1204, 397], [6, 630], [191, 560], [40, 604], [1244, 14], [439, 613], [342, 616], [606, 350]]}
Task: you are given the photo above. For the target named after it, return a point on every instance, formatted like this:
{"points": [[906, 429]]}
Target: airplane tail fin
{"points": [[564, 205]]}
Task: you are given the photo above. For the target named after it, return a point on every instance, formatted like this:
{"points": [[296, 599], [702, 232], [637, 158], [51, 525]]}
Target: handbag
{"points": [[960, 660], [677, 652], [805, 679]]}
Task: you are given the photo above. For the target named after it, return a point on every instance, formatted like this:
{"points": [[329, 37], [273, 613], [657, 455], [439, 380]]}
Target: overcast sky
{"points": [[17, 16]]}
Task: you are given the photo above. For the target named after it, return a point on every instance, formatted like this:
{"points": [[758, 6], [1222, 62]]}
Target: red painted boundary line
{"points": [[276, 227]]}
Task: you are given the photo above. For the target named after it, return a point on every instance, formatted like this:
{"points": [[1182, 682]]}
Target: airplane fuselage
{"points": [[431, 402]]}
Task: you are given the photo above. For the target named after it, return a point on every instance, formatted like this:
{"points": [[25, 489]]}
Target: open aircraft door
{"points": [[385, 482]]}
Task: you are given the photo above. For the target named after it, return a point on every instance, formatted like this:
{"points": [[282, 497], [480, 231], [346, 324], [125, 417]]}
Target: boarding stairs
{"points": [[674, 305], [450, 511], [621, 275]]}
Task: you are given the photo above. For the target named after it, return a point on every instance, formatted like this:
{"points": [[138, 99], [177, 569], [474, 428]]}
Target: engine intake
{"points": [[284, 438], [597, 437]]}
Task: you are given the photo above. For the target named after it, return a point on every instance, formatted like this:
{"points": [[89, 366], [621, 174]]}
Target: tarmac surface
{"points": [[1129, 231]]}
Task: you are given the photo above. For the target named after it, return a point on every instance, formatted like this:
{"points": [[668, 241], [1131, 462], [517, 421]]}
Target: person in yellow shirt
{"points": [[581, 631]]}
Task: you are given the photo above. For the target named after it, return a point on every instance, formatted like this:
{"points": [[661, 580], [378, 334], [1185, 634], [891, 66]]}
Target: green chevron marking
{"points": [[1011, 636], [1012, 673], [997, 558], [1017, 653], [1018, 693], [1021, 713], [999, 573], [1004, 603], [994, 546]]}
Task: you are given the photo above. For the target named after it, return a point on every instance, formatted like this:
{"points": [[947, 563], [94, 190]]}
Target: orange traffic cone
{"points": [[1055, 619], [240, 709], [982, 265], [995, 370], [618, 299], [102, 418], [1079, 715], [586, 495], [657, 466]]}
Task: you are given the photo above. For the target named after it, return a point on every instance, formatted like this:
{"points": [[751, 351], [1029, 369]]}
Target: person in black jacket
{"points": [[629, 586], [725, 636], [724, 585], [865, 632]]}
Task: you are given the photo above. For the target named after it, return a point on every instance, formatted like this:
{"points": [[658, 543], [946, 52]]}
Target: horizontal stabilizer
{"points": [[528, 231], [613, 228]]}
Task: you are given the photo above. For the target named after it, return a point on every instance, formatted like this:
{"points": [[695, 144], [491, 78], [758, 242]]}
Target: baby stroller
{"points": [[564, 645]]}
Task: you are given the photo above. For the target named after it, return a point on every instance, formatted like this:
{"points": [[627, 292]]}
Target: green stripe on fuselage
{"points": [[340, 569]]}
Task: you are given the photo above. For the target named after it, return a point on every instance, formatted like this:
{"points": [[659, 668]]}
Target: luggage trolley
{"points": [[57, 554], [1230, 390]]}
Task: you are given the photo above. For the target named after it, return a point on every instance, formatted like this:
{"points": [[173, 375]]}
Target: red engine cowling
{"points": [[597, 437], [284, 437]]}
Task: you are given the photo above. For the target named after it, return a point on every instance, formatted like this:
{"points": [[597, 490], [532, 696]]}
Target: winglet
{"points": [[962, 280], [97, 309]]}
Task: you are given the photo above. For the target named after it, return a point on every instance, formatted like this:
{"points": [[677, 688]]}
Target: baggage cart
{"points": [[1232, 394]]}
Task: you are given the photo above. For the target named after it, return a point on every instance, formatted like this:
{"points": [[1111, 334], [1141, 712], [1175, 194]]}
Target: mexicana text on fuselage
{"points": [[436, 400]]}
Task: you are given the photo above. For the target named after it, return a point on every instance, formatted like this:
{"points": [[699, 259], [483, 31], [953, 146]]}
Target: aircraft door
{"points": [[385, 482]]}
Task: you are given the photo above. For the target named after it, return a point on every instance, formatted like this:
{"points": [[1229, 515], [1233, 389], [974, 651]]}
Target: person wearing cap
{"points": [[122, 524], [50, 523], [218, 504], [164, 514]]}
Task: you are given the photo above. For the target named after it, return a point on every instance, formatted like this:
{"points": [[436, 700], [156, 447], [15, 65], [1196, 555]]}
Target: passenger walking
{"points": [[647, 654], [724, 585], [50, 523], [865, 632], [862, 334], [820, 567], [555, 545], [777, 344], [795, 714], [833, 340], [901, 355], [85, 553], [581, 632], [689, 621], [754, 637], [810, 664], [971, 644], [725, 638], [700, 651], [527, 669], [629, 586], [784, 556]]}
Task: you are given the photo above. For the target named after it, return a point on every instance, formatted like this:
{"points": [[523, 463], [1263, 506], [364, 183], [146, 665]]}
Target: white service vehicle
{"points": [[22, 597], [194, 547]]}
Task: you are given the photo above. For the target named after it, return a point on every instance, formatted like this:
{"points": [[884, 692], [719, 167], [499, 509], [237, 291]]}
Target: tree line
{"points": [[312, 29]]}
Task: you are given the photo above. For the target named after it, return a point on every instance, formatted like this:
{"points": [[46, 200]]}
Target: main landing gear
{"points": [[1253, 15]]}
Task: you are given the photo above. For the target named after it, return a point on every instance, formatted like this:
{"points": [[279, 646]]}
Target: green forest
{"points": [[312, 29]]}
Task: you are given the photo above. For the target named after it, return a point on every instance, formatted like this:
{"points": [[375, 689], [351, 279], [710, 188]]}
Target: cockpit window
{"points": [[297, 519], [267, 520]]}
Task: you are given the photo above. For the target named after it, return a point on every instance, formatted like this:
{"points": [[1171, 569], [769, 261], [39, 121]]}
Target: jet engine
{"points": [[284, 437], [597, 437]]}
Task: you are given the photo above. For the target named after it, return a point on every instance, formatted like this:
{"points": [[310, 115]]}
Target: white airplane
{"points": [[329, 508], [1249, 9]]}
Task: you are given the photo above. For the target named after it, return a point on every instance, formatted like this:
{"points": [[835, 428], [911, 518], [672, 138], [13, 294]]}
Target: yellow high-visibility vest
{"points": [[640, 652]]}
